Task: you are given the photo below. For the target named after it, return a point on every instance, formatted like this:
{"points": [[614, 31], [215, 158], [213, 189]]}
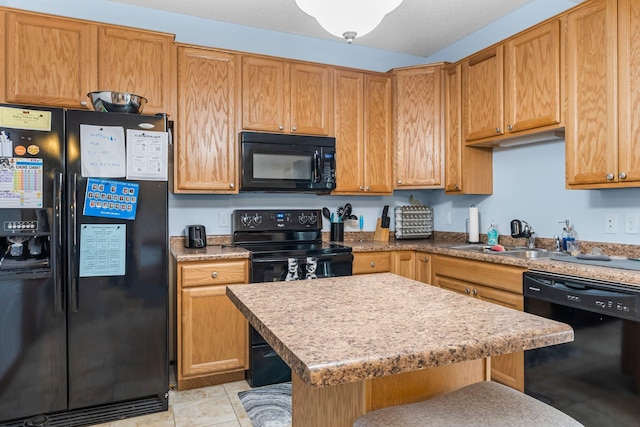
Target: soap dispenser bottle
{"points": [[566, 233], [492, 234]]}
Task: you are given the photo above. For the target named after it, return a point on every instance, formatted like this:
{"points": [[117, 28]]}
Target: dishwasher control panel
{"points": [[609, 298]]}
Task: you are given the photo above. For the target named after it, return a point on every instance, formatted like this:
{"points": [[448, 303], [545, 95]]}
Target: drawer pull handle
{"points": [[475, 292], [373, 264], [214, 274], [468, 291]]}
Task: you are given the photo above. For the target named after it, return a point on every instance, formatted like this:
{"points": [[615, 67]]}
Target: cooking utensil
{"points": [[326, 213], [117, 102], [353, 217], [340, 213], [361, 225], [347, 210]]}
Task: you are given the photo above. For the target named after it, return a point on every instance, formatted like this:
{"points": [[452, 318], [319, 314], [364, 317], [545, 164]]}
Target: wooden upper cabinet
{"points": [[468, 170], [418, 127], [532, 78], [592, 128], [349, 129], [265, 87], [279, 96], [629, 91], [378, 139], [311, 99], [482, 94], [363, 133], [208, 96], [140, 62], [49, 61]]}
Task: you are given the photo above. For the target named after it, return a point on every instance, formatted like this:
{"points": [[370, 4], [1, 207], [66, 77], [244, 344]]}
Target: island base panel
{"points": [[340, 405]]}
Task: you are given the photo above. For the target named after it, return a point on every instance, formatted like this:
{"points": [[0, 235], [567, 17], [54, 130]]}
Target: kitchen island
{"points": [[359, 343]]}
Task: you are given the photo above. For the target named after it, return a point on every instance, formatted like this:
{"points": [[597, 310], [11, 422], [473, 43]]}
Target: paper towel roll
{"points": [[474, 226]]}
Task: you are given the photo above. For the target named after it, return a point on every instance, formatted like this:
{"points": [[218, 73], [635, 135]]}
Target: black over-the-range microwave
{"points": [[289, 163]]}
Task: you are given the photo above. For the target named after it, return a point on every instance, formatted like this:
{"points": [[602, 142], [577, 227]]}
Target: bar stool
{"points": [[481, 404]]}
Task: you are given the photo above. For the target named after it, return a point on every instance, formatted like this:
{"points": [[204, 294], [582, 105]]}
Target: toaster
{"points": [[196, 236]]}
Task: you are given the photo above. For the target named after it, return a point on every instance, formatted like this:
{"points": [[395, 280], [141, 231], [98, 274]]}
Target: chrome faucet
{"points": [[522, 229]]}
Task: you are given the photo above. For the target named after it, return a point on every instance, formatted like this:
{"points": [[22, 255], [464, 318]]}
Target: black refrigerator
{"points": [[83, 266]]}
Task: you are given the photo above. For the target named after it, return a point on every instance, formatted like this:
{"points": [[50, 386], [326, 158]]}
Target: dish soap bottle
{"points": [[492, 234]]}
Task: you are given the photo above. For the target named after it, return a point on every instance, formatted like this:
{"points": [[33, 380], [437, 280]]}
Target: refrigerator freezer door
{"points": [[118, 324]]}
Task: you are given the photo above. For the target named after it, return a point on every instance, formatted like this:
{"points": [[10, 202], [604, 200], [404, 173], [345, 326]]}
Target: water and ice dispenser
{"points": [[25, 240]]}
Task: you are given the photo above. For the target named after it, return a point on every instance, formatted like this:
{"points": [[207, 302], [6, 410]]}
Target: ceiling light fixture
{"points": [[348, 18]]}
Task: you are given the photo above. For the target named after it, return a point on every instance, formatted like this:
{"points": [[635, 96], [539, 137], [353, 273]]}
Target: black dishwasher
{"points": [[596, 378]]}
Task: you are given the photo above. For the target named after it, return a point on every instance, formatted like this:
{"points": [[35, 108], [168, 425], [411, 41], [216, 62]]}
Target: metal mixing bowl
{"points": [[117, 102]]}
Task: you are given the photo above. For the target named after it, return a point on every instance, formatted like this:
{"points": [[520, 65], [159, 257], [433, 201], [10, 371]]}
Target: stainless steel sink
{"points": [[518, 252], [526, 253]]}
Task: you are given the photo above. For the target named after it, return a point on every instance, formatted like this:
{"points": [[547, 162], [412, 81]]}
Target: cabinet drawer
{"points": [[214, 273], [499, 276], [371, 262]]}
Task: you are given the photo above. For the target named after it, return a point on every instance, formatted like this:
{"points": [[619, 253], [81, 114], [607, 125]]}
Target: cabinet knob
{"points": [[622, 175], [214, 274], [510, 127], [295, 128], [368, 188], [497, 130], [399, 181], [83, 103], [475, 291], [468, 291], [609, 176], [373, 264], [456, 186], [362, 188], [426, 259], [281, 127], [232, 185]]}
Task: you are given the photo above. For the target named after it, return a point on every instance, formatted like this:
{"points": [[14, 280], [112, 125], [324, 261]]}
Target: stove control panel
{"points": [[270, 220]]}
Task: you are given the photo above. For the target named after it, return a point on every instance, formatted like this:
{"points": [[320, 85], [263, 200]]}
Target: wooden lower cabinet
{"points": [[212, 333], [423, 267], [497, 283], [403, 263], [371, 262]]}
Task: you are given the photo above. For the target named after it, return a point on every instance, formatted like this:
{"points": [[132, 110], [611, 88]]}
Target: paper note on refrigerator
{"points": [[103, 249], [102, 151], [147, 155]]}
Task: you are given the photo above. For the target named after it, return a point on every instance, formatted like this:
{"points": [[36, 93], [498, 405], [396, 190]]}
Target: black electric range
{"points": [[285, 245]]}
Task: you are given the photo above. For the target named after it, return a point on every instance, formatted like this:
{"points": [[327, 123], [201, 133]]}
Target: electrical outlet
{"points": [[224, 219], [447, 218], [611, 224], [631, 224]]}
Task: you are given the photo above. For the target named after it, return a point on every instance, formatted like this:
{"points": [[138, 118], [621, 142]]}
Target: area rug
{"points": [[268, 406]]}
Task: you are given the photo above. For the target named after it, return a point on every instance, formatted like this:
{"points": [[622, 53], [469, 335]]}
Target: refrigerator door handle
{"points": [[58, 292], [73, 238]]}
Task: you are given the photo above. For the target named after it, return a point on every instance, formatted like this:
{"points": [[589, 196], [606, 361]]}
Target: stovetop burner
{"points": [[270, 233]]}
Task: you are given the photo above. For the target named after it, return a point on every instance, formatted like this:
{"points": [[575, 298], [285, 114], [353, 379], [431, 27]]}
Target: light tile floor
{"points": [[215, 406]]}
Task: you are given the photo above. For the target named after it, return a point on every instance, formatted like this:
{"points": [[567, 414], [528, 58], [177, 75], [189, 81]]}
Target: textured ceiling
{"points": [[417, 27]]}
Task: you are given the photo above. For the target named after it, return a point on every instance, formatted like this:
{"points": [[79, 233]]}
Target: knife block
{"points": [[381, 234]]}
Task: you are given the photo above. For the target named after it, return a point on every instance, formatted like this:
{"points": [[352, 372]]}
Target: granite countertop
{"points": [[345, 329], [221, 249], [211, 252]]}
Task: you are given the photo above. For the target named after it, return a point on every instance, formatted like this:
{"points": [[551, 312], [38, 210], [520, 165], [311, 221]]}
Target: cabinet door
{"points": [[468, 170], [418, 124], [311, 99], [377, 135], [349, 126], [404, 264], [208, 93], [532, 78], [50, 61], [423, 267], [592, 130], [629, 92], [214, 335], [139, 62], [482, 94], [265, 91]]}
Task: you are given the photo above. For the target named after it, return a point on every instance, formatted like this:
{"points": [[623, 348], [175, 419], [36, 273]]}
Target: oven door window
{"points": [[300, 268]]}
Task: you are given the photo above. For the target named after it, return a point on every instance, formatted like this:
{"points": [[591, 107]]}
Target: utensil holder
{"points": [[337, 232], [381, 234]]}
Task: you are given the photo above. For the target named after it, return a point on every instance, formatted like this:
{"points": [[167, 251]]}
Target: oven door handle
{"points": [[284, 259]]}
